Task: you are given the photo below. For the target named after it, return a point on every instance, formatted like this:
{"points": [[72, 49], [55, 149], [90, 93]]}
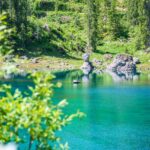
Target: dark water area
{"points": [[117, 111]]}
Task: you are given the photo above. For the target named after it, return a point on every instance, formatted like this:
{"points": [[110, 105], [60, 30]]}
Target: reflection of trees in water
{"points": [[77, 74], [90, 79], [73, 74], [104, 79]]}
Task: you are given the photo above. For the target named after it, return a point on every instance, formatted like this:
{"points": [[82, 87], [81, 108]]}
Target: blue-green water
{"points": [[117, 113]]}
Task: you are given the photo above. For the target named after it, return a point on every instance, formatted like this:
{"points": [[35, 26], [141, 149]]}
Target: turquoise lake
{"points": [[117, 111]]}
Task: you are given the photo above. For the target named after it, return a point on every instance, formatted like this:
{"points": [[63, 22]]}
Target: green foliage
{"points": [[139, 16], [112, 21], [76, 25], [5, 35], [34, 112]]}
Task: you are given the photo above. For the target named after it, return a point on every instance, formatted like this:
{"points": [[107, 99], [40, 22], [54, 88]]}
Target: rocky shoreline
{"points": [[122, 64]]}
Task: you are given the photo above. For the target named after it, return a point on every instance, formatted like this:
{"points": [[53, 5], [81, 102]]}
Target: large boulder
{"points": [[87, 66], [86, 57], [123, 63]]}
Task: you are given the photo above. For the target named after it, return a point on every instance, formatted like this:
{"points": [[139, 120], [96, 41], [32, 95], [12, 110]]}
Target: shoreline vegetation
{"points": [[51, 63]]}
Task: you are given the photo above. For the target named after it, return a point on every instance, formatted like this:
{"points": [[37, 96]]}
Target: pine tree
{"points": [[147, 12], [1, 6], [17, 10], [92, 24], [139, 16], [113, 22], [20, 13]]}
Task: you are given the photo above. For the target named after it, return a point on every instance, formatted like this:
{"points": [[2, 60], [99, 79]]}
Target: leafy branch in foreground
{"points": [[34, 112]]}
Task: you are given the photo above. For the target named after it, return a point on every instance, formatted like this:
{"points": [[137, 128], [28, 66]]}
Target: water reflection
{"points": [[105, 78], [123, 76], [117, 115], [85, 79]]}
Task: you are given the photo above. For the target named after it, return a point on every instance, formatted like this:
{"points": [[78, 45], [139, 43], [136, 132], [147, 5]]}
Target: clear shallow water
{"points": [[117, 112]]}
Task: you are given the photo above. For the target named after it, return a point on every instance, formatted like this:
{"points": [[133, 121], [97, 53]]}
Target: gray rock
{"points": [[86, 67], [86, 57], [123, 63], [136, 60]]}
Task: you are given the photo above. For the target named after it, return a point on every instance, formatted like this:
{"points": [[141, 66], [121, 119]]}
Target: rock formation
{"points": [[123, 64], [87, 66]]}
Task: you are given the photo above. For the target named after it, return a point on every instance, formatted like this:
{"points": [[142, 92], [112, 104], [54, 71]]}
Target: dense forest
{"points": [[60, 31], [74, 25]]}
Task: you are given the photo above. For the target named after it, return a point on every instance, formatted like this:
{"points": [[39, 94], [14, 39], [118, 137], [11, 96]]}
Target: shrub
{"points": [[33, 112]]}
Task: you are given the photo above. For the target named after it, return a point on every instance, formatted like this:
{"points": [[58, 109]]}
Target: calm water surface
{"points": [[117, 112]]}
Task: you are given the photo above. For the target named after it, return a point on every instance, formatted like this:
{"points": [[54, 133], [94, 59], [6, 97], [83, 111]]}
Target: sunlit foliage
{"points": [[34, 112]]}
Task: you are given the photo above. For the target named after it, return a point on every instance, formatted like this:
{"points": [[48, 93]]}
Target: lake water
{"points": [[117, 111]]}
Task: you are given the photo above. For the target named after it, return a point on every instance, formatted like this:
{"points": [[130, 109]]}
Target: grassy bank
{"points": [[73, 60]]}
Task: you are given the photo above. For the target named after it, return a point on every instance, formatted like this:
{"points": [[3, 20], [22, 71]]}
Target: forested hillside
{"points": [[66, 26]]}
